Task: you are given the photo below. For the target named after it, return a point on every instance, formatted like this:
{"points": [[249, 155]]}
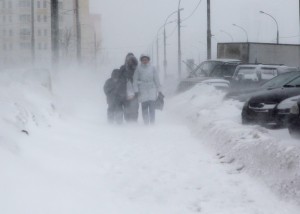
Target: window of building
{"points": [[39, 18], [24, 3], [45, 46], [25, 18], [45, 32], [9, 4], [44, 4], [4, 32], [40, 46], [39, 32], [25, 45], [38, 4], [4, 18], [10, 19], [5, 46], [10, 32], [10, 46], [45, 18], [25, 32]]}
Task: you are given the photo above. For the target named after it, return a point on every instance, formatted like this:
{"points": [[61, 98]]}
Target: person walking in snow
{"points": [[111, 88], [147, 86], [129, 102]]}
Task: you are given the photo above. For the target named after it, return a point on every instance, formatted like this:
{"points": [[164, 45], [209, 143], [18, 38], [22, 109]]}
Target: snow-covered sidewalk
{"points": [[77, 167]]}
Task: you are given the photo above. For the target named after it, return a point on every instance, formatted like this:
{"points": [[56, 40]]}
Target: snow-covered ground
{"points": [[58, 155]]}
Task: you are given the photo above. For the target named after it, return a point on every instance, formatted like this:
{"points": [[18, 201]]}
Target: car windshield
{"points": [[280, 80], [205, 68], [293, 83], [225, 70]]}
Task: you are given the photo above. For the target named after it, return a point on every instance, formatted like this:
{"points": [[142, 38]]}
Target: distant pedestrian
{"points": [[129, 100], [111, 88], [147, 87]]}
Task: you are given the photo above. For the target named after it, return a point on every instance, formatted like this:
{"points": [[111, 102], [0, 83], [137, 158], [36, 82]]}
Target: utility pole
{"points": [[32, 33], [54, 32], [165, 54], [78, 31], [208, 31], [179, 42]]}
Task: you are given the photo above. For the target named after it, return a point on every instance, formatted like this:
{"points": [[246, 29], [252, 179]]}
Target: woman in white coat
{"points": [[146, 86]]}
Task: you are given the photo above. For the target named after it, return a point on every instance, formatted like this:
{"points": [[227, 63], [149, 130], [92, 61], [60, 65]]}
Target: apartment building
{"points": [[17, 43]]}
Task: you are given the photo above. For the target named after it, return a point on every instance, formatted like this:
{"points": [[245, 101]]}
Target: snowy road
{"points": [[87, 168]]}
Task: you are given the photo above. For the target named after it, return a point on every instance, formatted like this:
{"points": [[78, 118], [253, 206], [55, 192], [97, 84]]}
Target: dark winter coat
{"points": [[126, 75], [111, 87]]}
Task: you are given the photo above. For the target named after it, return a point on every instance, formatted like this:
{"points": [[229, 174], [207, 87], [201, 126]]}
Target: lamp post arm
{"points": [[242, 30], [277, 35]]}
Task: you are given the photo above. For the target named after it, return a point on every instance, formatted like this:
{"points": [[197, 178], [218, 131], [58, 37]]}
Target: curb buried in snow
{"points": [[249, 148]]}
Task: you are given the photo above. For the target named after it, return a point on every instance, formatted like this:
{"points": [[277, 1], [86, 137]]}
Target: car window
{"points": [[295, 82], [268, 73], [281, 79], [246, 73]]}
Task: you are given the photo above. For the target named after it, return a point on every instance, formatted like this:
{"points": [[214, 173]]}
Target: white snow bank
{"points": [[25, 102], [270, 155]]}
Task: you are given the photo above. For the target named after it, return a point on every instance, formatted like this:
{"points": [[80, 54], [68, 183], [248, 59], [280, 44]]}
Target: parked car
{"points": [[294, 120], [253, 75], [210, 69], [276, 82], [271, 107]]}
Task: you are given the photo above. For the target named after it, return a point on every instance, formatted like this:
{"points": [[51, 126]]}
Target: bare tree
{"points": [[65, 40]]}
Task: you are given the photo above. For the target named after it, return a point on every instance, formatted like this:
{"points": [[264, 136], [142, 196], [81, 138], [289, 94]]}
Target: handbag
{"points": [[159, 102]]}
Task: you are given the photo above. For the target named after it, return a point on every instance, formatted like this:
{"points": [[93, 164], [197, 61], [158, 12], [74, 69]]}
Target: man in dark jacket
{"points": [[111, 88], [129, 100]]}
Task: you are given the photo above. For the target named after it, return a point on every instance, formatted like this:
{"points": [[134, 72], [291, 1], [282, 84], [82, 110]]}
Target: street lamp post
{"points": [[242, 30], [157, 41], [165, 42], [277, 36], [227, 34], [208, 35]]}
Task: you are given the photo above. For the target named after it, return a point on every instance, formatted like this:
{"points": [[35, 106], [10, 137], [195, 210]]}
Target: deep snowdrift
{"points": [[271, 155], [25, 102]]}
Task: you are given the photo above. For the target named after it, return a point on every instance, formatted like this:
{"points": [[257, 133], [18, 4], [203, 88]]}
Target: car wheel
{"points": [[245, 120], [294, 132]]}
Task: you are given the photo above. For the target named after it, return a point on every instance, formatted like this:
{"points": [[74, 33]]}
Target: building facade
{"points": [[18, 46]]}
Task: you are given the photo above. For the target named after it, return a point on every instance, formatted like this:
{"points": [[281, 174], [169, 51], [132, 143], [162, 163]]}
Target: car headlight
{"points": [[294, 109], [288, 103]]}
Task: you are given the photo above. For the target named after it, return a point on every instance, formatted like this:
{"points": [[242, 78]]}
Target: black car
{"points": [[294, 120], [209, 70], [271, 107], [276, 82]]}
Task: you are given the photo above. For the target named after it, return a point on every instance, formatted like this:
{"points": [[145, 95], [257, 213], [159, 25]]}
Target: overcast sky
{"points": [[131, 25]]}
